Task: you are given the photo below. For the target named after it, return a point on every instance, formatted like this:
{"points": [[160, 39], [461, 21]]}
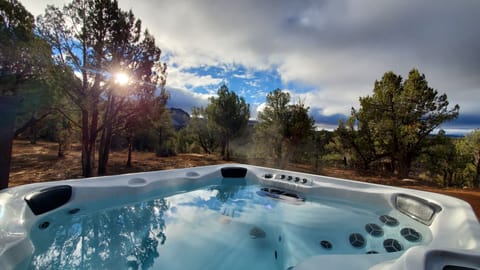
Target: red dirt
{"points": [[39, 163]]}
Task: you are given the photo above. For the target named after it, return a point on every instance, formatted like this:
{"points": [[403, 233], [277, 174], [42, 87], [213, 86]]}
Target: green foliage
{"points": [[269, 132], [159, 137], [318, 148], [468, 152], [26, 66], [453, 161], [44, 97], [146, 125], [230, 113], [357, 141], [93, 40], [56, 128], [23, 56], [166, 135], [242, 146], [282, 127], [15, 20], [440, 159], [185, 140], [204, 131], [98, 40], [396, 120], [223, 120]]}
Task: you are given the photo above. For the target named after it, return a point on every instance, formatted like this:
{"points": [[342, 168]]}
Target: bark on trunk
{"points": [[223, 145], [86, 153], [130, 148], [61, 150], [106, 138], [104, 150], [89, 135], [227, 149], [476, 182], [8, 110], [404, 165]]}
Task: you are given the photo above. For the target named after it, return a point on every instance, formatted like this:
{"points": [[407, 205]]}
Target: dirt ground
{"points": [[39, 163]]}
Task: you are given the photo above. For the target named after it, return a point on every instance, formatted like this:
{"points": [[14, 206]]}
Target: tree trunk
{"points": [[227, 149], [204, 146], [86, 153], [89, 136], [86, 160], [404, 164], [447, 178], [476, 182], [61, 150], [106, 138], [317, 161], [8, 110], [130, 148], [366, 164], [223, 147], [104, 150]]}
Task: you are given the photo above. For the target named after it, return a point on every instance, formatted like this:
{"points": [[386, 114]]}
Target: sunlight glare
{"points": [[121, 78]]}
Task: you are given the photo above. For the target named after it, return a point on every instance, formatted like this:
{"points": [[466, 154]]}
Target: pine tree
{"points": [[282, 127], [98, 41], [399, 116], [230, 113]]}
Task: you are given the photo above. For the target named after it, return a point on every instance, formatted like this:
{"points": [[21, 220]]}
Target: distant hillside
{"points": [[180, 118], [456, 136]]}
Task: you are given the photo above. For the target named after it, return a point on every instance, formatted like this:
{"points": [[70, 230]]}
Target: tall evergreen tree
{"points": [[400, 115], [282, 126], [230, 113], [356, 138], [28, 85], [204, 131], [98, 40], [26, 66], [469, 150], [23, 56], [441, 159]]}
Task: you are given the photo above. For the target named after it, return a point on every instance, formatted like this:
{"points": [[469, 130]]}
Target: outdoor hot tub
{"points": [[233, 217]]}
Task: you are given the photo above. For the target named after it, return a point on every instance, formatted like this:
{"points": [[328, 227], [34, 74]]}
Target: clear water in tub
{"points": [[219, 227]]}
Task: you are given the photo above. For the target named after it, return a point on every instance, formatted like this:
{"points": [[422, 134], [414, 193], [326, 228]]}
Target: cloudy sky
{"points": [[325, 53]]}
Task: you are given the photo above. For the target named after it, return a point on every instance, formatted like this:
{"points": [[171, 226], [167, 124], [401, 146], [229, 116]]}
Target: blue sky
{"points": [[325, 53]]}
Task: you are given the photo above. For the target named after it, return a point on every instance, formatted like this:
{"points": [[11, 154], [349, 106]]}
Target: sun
{"points": [[121, 78]]}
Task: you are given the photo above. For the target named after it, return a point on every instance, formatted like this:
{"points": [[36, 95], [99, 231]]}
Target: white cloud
{"points": [[339, 56], [178, 78], [38, 7], [186, 99], [337, 48], [256, 108]]}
